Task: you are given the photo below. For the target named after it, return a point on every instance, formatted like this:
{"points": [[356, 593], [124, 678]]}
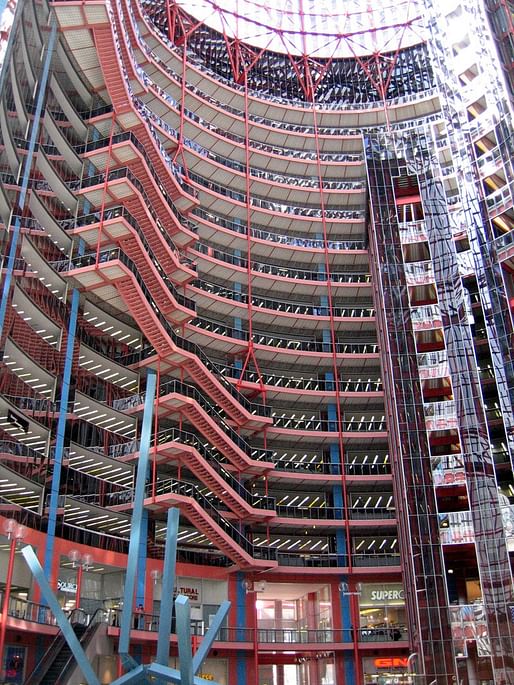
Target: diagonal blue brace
{"points": [[62, 621], [137, 518], [183, 613], [171, 675], [134, 677], [168, 584], [210, 636]]}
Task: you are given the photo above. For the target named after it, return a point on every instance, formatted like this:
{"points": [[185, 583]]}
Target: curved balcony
{"points": [[346, 97], [216, 191], [269, 150], [200, 153], [291, 240], [312, 384], [288, 345], [317, 424], [295, 309], [283, 271], [199, 362], [229, 334], [334, 514], [204, 99]]}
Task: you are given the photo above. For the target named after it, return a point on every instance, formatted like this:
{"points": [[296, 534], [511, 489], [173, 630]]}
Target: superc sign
{"points": [[384, 595], [392, 662]]}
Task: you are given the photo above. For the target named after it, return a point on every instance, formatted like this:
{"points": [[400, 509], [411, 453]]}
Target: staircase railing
{"points": [[97, 619], [76, 616]]}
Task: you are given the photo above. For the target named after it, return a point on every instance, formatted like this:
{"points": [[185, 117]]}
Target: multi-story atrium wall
{"points": [[305, 229]]}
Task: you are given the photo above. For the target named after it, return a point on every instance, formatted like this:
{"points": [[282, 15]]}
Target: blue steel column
{"points": [[63, 410], [61, 430], [137, 515], [65, 388], [241, 623], [338, 502], [168, 583], [26, 169]]}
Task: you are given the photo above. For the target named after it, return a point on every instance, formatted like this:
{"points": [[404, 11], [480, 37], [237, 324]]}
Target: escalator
{"points": [[58, 662]]}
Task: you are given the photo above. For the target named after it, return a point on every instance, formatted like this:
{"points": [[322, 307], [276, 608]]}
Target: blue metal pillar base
{"points": [[168, 583], [137, 514]]}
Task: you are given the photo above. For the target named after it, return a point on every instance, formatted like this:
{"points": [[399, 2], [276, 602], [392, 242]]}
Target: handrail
{"points": [[211, 456], [149, 623], [168, 435], [337, 104], [312, 383], [273, 341], [125, 172], [110, 254], [260, 202], [121, 210], [286, 343], [94, 622], [262, 232], [185, 489], [296, 308], [191, 391], [256, 172], [42, 666], [183, 343], [283, 270], [51, 653], [209, 453]]}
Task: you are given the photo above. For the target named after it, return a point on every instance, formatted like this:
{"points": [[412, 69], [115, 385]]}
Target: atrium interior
{"points": [[295, 222]]}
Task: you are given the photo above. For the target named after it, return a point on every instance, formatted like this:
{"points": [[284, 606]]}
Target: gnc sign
{"points": [[392, 662]]}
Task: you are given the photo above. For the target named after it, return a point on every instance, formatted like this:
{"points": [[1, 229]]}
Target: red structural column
{"points": [[80, 571], [6, 598]]}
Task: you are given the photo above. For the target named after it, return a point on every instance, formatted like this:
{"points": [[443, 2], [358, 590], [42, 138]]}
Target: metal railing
{"points": [[284, 271], [183, 343], [291, 239]]}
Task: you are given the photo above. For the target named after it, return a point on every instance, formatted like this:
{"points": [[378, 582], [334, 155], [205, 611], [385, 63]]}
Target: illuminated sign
{"points": [[382, 595], [392, 662], [66, 586], [191, 593]]}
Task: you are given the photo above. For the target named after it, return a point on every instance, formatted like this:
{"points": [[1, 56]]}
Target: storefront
{"points": [[386, 670], [382, 611]]}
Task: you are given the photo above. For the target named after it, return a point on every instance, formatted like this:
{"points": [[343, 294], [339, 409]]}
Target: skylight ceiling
{"points": [[318, 28]]}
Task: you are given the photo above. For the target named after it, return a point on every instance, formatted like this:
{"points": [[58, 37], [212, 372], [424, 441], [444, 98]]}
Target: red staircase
{"points": [[111, 69], [162, 295], [207, 475], [216, 435], [212, 387], [165, 347], [168, 259], [184, 201], [144, 316], [193, 511]]}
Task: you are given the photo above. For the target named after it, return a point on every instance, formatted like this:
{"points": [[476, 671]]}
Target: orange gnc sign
{"points": [[392, 662]]}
